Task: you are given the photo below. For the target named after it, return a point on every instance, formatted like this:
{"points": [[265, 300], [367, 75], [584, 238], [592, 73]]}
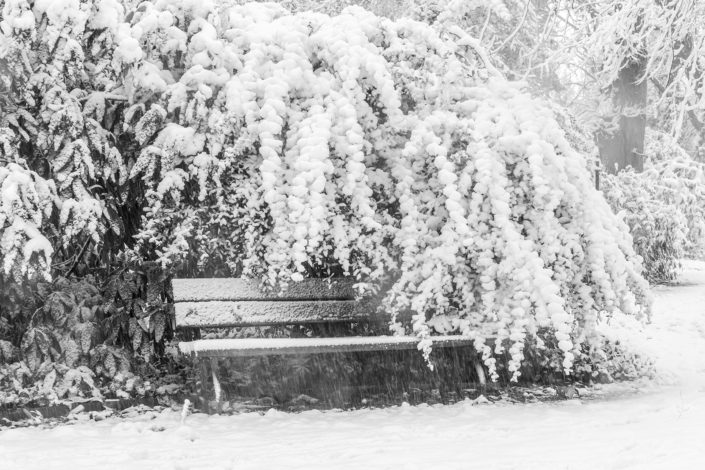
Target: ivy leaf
{"points": [[111, 288], [135, 332], [159, 326], [7, 351], [153, 293], [71, 351], [49, 381], [137, 340], [144, 323], [138, 307], [32, 358], [86, 332], [146, 349], [109, 364]]}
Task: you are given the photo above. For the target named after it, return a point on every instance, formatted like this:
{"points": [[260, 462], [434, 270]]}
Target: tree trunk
{"points": [[624, 146]]}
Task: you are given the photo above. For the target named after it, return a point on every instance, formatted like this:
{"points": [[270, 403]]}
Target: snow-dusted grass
{"points": [[663, 426]]}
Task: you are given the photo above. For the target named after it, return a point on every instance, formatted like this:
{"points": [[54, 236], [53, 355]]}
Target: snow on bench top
{"points": [[251, 313], [206, 289], [267, 346]]}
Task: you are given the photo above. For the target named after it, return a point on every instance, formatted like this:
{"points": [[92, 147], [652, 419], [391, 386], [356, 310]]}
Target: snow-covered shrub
{"points": [[58, 64], [67, 206], [679, 180], [26, 201], [682, 183], [658, 228], [660, 147], [615, 361], [664, 206], [61, 346], [362, 146]]}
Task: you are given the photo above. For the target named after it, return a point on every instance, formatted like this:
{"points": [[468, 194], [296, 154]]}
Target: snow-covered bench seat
{"points": [[269, 346], [204, 303]]}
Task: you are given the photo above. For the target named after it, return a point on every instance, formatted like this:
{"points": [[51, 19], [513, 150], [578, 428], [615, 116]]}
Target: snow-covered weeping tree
{"points": [[358, 145], [283, 146]]}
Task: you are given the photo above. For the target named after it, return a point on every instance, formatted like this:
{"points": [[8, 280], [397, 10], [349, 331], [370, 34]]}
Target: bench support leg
{"points": [[480, 372], [203, 388], [216, 384]]}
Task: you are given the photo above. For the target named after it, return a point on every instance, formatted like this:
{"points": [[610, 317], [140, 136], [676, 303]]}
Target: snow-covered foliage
{"points": [[67, 206], [386, 8], [662, 44], [666, 36], [516, 33], [25, 204], [659, 228], [260, 143], [664, 206], [358, 145], [679, 180], [60, 342], [59, 74]]}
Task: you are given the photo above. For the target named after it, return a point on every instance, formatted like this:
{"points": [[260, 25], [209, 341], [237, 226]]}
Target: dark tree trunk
{"points": [[624, 146]]}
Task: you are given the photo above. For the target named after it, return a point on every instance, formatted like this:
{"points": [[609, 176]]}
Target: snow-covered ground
{"points": [[662, 426]]}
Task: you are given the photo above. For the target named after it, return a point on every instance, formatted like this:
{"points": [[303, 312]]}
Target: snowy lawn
{"points": [[662, 426]]}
